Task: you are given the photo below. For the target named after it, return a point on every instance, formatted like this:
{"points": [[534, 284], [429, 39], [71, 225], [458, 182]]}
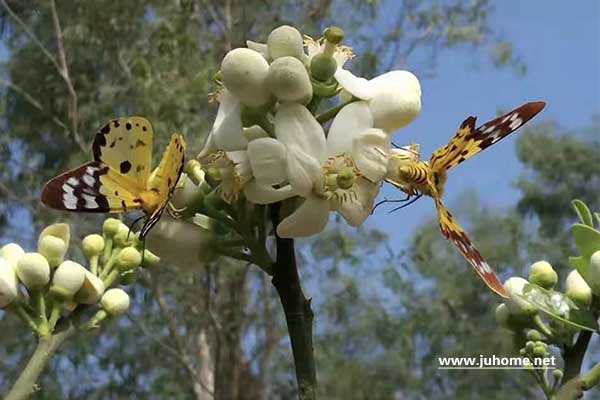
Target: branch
{"points": [[573, 356], [298, 314]]}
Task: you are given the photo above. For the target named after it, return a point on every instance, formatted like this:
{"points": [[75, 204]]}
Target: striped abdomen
{"points": [[415, 176]]}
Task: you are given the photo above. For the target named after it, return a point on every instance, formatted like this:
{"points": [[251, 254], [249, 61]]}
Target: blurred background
{"points": [[390, 297]]}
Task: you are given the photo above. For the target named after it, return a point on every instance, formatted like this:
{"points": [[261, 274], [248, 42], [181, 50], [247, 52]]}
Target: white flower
{"points": [[226, 133], [229, 171], [9, 284], [394, 98], [341, 55], [341, 172]]}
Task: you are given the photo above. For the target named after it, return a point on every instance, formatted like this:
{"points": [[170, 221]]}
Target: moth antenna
{"points": [[135, 221], [407, 204]]}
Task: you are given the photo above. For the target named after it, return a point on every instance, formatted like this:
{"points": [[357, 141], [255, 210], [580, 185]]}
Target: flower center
{"points": [[340, 178], [221, 173]]}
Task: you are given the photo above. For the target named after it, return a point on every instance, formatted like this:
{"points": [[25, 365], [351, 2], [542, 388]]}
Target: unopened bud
{"points": [[11, 252], [594, 273], [111, 227], [285, 41], [115, 302], [91, 290], [288, 80], [33, 270], [53, 249], [128, 259], [542, 274], [9, 284], [515, 303], [67, 280], [93, 245], [534, 335], [149, 259], [577, 289], [244, 75]]}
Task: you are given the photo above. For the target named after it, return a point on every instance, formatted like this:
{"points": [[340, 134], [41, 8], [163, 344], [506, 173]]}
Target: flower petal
{"points": [[226, 133], [349, 123], [356, 212], [308, 219], [370, 150], [261, 48], [296, 126], [260, 194], [359, 87], [303, 171], [268, 159]]}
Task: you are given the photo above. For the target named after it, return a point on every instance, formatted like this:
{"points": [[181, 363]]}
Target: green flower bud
{"points": [[61, 231], [577, 289], [93, 245], [67, 280], [288, 80], [33, 271], [529, 345], [9, 284], [322, 67], [285, 41], [594, 273], [11, 252], [540, 350], [91, 290], [515, 303], [111, 227], [124, 236], [115, 302], [333, 34], [244, 74], [557, 374], [149, 259], [53, 249], [534, 335], [542, 274], [128, 259]]}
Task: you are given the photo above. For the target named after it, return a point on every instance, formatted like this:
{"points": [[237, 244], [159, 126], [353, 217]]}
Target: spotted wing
{"points": [[453, 232], [125, 145], [164, 178], [469, 141], [92, 187]]}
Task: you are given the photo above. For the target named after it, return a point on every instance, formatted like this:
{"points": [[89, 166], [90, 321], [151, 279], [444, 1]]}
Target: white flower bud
{"points": [[9, 284], [93, 245], [111, 226], [515, 303], [542, 274], [289, 81], [53, 249], [67, 280], [33, 271], [397, 100], [244, 74], [594, 273], [91, 291], [11, 252], [124, 236], [115, 302], [61, 231], [577, 289], [128, 259], [285, 41]]}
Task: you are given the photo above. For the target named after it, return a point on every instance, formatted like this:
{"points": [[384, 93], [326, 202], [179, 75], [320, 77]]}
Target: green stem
{"points": [[298, 313], [332, 112], [111, 278], [108, 267], [94, 264], [592, 378], [108, 245], [54, 314], [25, 385], [542, 326], [40, 309], [25, 317]]}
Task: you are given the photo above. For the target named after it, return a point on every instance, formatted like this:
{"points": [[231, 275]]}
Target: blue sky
{"points": [[560, 44]]}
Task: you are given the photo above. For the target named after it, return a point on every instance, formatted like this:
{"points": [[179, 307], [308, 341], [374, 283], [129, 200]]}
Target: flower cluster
{"points": [[42, 287], [270, 141], [538, 315]]}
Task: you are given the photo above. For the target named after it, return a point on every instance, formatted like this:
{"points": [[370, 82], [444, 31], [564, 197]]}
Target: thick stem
{"points": [[25, 386], [573, 356], [298, 314], [592, 378]]}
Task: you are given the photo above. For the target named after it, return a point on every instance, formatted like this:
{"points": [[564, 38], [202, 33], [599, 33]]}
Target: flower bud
{"points": [[61, 231], [244, 74], [285, 41], [9, 284], [542, 274], [93, 245], [515, 303], [11, 252], [288, 80], [53, 249], [149, 259], [33, 270], [115, 302], [124, 236], [540, 350], [397, 100], [557, 374], [111, 227], [594, 273], [534, 335], [67, 280], [128, 259], [91, 290], [577, 289]]}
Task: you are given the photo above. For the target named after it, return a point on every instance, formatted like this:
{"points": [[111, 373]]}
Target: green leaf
{"points": [[581, 265], [584, 212], [597, 215], [549, 301], [587, 240]]}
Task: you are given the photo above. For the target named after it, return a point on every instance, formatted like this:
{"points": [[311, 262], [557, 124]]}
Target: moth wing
{"points": [[453, 232]]}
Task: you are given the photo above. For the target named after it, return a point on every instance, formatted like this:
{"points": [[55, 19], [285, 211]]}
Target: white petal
{"points": [[370, 153], [309, 219], [359, 87], [356, 212], [296, 126], [260, 194], [268, 159], [261, 48], [303, 170], [226, 133], [254, 132], [349, 123], [242, 165]]}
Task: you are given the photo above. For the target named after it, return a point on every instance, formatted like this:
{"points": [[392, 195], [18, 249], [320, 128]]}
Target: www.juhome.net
{"points": [[495, 362]]}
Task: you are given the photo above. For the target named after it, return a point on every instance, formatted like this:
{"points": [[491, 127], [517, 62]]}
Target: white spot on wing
{"points": [[515, 124], [489, 129], [91, 170], [90, 201], [73, 181], [89, 180], [69, 199]]}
